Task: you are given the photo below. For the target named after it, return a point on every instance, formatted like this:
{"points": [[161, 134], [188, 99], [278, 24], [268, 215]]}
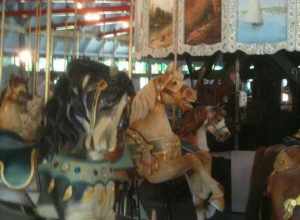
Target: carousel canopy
{"points": [[102, 25]]}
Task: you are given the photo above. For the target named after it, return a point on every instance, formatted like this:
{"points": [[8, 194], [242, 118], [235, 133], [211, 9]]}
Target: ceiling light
{"points": [[25, 56], [125, 24], [79, 5], [91, 17], [108, 36]]}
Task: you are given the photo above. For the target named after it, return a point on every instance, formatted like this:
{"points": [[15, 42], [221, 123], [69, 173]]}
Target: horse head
{"points": [[88, 110], [17, 90], [172, 90], [216, 123], [108, 116]]}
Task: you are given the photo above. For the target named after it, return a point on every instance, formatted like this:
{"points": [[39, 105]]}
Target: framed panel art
{"points": [[158, 27], [262, 26], [200, 26]]}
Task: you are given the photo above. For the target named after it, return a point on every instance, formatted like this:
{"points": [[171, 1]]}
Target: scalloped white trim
{"points": [[229, 32]]}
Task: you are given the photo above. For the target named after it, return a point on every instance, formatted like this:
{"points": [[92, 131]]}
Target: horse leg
{"points": [[203, 186]]}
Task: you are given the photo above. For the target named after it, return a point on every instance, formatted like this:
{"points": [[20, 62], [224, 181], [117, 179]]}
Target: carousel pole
{"points": [[2, 38], [175, 39], [237, 104], [36, 51], [76, 45], [48, 50], [175, 35], [130, 41]]}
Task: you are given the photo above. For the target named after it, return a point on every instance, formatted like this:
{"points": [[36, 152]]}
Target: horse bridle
{"points": [[164, 89], [100, 87]]}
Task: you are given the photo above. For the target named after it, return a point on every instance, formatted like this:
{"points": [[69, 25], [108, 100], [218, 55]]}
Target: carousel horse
{"points": [[159, 157], [19, 112], [197, 122], [283, 185], [87, 157], [20, 121], [275, 167]]}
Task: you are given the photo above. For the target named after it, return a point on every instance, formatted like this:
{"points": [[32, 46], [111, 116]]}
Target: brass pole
{"points": [[175, 35], [175, 51], [36, 51], [76, 45], [2, 38], [48, 50], [130, 43]]}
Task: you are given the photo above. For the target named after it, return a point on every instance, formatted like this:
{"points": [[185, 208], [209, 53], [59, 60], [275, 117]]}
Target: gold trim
{"points": [[289, 207], [51, 186], [33, 166], [88, 195], [68, 193]]}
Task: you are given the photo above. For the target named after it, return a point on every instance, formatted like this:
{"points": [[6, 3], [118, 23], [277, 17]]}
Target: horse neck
{"points": [[9, 105], [155, 126], [143, 103]]}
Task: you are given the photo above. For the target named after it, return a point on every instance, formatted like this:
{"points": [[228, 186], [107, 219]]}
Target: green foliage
{"points": [[159, 19]]}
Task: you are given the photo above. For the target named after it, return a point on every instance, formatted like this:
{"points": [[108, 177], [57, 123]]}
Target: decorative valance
{"points": [[203, 27]]}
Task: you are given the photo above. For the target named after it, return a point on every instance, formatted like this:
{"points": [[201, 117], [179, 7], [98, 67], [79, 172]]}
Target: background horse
{"points": [[195, 123], [19, 112], [161, 159], [20, 123], [271, 165]]}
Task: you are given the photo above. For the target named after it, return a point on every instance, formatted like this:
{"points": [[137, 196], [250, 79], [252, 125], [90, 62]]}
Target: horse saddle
{"points": [[17, 161]]}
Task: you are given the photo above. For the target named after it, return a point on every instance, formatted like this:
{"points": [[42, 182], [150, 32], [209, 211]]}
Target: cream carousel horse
{"points": [[159, 156]]}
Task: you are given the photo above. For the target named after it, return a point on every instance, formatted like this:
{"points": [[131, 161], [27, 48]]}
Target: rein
{"points": [[160, 89]]}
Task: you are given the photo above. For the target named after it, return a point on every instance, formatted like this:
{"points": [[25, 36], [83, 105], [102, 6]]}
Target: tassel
{"points": [[51, 186], [68, 193], [88, 195]]}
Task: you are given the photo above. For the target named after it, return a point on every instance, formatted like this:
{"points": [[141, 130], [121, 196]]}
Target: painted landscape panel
{"points": [[203, 21], [262, 21], [161, 23]]}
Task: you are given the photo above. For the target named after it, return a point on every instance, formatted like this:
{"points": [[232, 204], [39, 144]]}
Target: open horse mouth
{"points": [[189, 97]]}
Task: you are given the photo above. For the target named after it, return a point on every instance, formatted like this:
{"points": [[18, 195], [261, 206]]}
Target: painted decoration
{"points": [[262, 21], [161, 23], [202, 22]]}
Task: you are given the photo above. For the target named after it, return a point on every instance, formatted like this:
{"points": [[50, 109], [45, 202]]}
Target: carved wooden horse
{"points": [[20, 113], [20, 121], [159, 157]]}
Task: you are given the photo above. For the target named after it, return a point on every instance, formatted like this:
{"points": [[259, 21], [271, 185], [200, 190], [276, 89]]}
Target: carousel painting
{"points": [[161, 23], [202, 22], [262, 21]]}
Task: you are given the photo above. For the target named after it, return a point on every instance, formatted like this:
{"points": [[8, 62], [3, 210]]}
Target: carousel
{"points": [[149, 110]]}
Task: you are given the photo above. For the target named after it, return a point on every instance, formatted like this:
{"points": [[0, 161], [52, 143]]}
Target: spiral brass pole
{"points": [[2, 37], [48, 49]]}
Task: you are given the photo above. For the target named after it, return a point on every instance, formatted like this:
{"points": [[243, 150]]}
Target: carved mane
{"points": [[143, 102]]}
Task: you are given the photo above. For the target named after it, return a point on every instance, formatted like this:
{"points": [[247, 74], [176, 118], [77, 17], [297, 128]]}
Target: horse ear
{"points": [[170, 68]]}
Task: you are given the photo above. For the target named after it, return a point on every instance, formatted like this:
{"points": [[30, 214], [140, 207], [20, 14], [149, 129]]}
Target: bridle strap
{"points": [[160, 89], [100, 87]]}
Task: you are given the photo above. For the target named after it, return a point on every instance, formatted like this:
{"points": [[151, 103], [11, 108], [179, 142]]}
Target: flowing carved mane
{"points": [[143, 102]]}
